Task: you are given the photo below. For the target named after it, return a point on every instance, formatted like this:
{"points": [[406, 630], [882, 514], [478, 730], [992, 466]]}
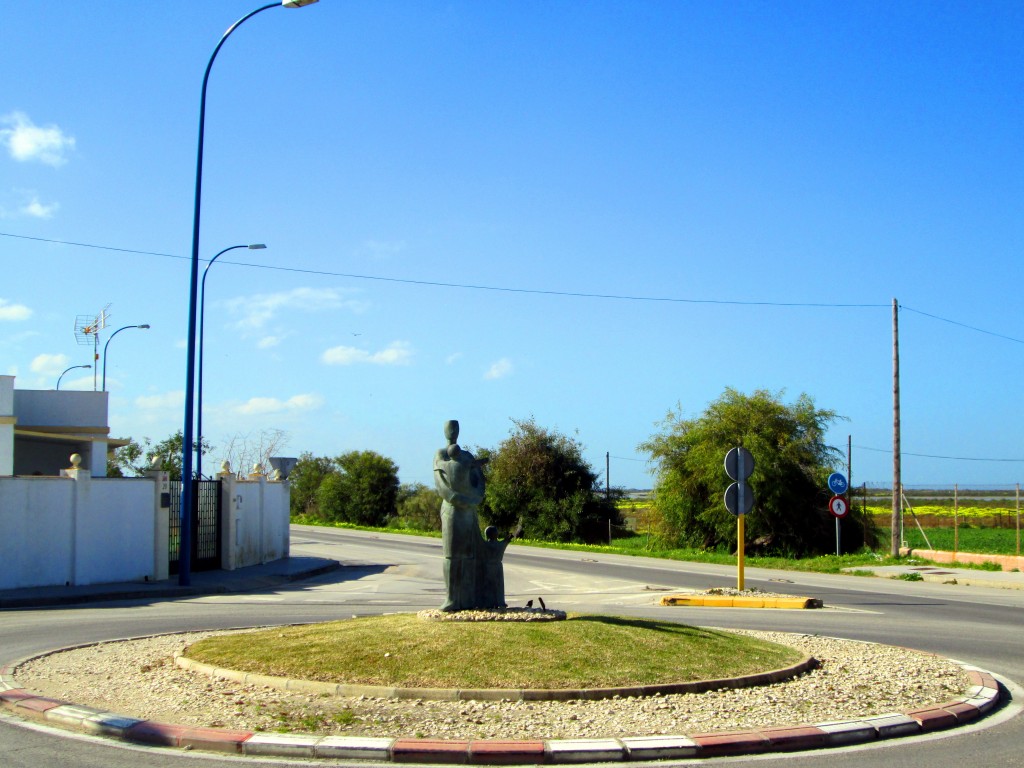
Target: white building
{"points": [[40, 429]]}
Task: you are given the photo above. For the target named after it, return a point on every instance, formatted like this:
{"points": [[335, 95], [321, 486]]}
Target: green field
{"points": [[988, 541]]}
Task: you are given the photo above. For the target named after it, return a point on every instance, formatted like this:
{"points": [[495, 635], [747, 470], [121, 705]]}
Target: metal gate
{"points": [[206, 528]]}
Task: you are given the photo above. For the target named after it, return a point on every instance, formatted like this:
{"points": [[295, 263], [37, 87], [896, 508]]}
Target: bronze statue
{"points": [[473, 574]]}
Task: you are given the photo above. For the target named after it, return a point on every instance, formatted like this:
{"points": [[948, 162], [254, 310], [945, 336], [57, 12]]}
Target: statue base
{"points": [[493, 614]]}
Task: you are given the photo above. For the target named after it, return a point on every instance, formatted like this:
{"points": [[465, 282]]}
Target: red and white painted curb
{"points": [[980, 699]]}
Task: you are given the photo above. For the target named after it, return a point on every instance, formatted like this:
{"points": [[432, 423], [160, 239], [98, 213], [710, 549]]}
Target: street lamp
{"points": [[144, 326], [199, 394], [70, 369], [185, 552]]}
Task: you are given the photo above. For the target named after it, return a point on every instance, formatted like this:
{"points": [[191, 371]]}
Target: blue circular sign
{"points": [[837, 483]]}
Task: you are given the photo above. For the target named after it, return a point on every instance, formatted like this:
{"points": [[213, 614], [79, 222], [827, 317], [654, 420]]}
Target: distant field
{"points": [[933, 516], [1001, 513], [981, 529], [985, 541]]}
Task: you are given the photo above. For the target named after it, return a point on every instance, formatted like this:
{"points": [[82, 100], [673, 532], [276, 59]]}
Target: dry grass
{"points": [[581, 652]]}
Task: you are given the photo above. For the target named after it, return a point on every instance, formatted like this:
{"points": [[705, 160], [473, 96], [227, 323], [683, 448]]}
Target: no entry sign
{"points": [[837, 506]]}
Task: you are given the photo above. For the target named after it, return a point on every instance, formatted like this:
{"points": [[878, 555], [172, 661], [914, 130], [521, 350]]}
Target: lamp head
{"points": [[257, 247], [145, 325], [297, 3]]}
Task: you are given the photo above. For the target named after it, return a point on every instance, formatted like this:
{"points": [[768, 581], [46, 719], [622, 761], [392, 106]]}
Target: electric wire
{"points": [[476, 287], [575, 294]]}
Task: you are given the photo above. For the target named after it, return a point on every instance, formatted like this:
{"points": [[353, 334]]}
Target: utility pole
{"points": [[849, 466], [897, 508], [607, 475]]}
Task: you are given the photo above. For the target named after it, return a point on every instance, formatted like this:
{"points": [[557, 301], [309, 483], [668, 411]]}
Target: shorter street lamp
{"points": [[70, 369], [125, 328], [199, 392]]}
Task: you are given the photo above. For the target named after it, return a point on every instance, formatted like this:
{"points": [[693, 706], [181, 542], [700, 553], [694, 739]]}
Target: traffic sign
{"points": [[837, 483], [838, 507], [739, 464], [739, 498]]}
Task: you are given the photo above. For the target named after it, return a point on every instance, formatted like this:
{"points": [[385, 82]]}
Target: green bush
{"points": [[538, 477], [419, 508], [792, 464]]}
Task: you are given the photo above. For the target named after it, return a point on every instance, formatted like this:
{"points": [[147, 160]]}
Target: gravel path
{"points": [[138, 678]]}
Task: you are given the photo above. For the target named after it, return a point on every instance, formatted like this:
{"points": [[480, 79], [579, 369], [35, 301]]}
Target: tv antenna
{"points": [[87, 331]]}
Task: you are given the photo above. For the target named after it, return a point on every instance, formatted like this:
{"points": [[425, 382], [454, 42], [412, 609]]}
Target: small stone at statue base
{"points": [[493, 614]]}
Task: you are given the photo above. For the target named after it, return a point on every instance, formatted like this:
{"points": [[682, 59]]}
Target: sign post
{"points": [[837, 504], [739, 500]]}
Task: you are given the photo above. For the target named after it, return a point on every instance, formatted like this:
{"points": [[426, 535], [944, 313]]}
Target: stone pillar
{"points": [[7, 422], [81, 478], [162, 522], [98, 458], [228, 520]]}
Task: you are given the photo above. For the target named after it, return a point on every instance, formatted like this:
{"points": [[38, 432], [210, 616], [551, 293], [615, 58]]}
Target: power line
{"points": [[474, 287], [934, 456], [533, 291], [962, 325], [90, 245]]}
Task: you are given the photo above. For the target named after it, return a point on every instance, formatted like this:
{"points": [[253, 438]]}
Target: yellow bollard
{"points": [[740, 530]]}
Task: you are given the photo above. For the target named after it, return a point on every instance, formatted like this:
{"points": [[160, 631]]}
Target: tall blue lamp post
{"points": [[185, 546], [199, 393], [143, 327]]}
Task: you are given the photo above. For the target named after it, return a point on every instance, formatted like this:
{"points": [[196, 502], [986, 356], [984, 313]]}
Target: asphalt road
{"points": [[399, 573]]}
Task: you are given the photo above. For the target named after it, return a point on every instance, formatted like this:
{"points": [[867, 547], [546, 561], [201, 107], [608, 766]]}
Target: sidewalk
{"points": [[267, 575], [943, 574]]}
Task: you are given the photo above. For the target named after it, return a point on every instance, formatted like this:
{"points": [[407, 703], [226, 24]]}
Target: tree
{"points": [[364, 490], [244, 451], [305, 479], [135, 458], [539, 476], [792, 464], [419, 507], [127, 461]]}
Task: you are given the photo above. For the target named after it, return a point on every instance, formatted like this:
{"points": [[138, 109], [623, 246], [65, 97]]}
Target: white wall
{"points": [[77, 529], [66, 531], [71, 413], [36, 547], [68, 408], [114, 531], [256, 519]]}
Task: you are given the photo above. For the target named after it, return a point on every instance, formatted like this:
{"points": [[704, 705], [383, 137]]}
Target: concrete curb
{"points": [[726, 601], [805, 664], [979, 700]]}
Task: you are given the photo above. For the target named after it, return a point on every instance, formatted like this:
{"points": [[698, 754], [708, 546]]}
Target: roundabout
{"points": [[364, 593], [442, 726]]}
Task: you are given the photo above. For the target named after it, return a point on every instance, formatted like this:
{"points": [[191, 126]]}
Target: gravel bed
{"points": [[138, 678]]}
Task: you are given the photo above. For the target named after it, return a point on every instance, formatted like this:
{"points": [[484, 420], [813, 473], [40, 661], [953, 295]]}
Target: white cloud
{"points": [[49, 365], [38, 210], [395, 353], [453, 358], [9, 311], [259, 406], [269, 341], [26, 141], [28, 204], [499, 369], [259, 310], [167, 400], [381, 249]]}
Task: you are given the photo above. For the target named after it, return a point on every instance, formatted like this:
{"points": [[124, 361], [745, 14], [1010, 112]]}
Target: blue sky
{"points": [[759, 179]]}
